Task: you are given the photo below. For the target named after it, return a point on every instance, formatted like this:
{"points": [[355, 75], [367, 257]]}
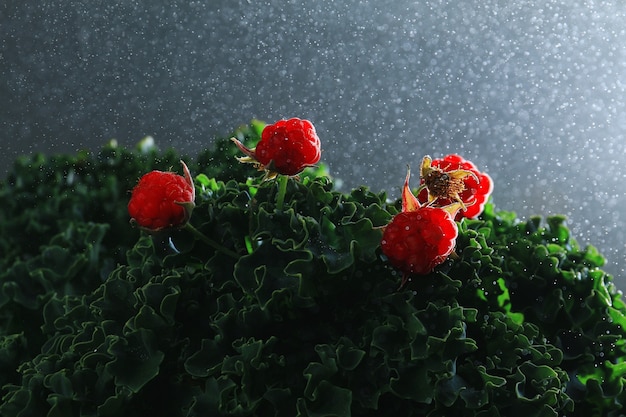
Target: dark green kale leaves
{"points": [[98, 319]]}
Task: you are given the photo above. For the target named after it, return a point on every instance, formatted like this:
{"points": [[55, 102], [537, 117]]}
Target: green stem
{"points": [[282, 190], [201, 236]]}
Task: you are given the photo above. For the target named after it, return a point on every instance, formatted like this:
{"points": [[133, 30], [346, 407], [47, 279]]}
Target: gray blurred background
{"points": [[532, 91]]}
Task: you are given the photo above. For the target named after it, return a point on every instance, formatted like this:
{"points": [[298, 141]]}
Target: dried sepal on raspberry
{"points": [[420, 237], [190, 204], [162, 200], [443, 182], [250, 157], [411, 203], [286, 148]]}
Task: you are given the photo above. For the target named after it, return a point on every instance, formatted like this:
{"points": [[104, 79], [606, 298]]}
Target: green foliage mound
{"points": [[99, 319]]}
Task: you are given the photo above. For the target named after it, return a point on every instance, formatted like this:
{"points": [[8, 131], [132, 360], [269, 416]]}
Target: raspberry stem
{"points": [[205, 239], [282, 190]]}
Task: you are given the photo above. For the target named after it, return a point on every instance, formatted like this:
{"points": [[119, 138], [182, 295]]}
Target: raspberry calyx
{"points": [[453, 178], [441, 184]]}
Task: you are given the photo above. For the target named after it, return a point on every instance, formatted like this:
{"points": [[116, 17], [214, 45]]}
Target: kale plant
{"points": [[303, 318]]}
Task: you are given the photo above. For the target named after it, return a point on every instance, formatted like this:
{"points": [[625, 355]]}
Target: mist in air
{"points": [[532, 92]]}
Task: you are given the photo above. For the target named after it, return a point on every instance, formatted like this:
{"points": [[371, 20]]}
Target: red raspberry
{"points": [[420, 237], [162, 200], [417, 241], [477, 187], [286, 147]]}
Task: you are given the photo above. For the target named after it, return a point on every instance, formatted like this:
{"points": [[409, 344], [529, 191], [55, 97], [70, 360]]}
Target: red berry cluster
{"points": [[286, 147], [415, 241], [424, 234], [162, 200]]}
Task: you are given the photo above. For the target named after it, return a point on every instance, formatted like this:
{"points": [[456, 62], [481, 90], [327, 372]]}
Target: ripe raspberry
{"points": [[162, 200], [442, 182], [286, 147], [417, 241], [420, 237]]}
